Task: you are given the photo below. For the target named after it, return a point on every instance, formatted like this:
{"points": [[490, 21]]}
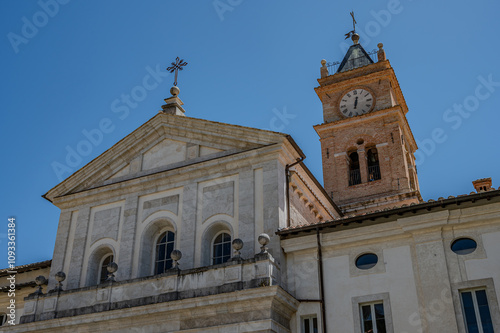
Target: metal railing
{"points": [[374, 173], [354, 177], [356, 62]]}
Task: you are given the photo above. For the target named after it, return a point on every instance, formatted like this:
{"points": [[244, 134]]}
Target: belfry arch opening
{"points": [[354, 171], [373, 164]]}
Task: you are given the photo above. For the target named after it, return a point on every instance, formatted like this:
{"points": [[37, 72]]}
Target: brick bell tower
{"points": [[367, 145]]}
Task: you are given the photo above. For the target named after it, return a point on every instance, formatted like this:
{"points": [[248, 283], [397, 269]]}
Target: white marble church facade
{"points": [[197, 180]]}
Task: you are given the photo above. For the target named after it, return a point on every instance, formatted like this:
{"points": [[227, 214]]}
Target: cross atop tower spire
{"points": [[354, 36]]}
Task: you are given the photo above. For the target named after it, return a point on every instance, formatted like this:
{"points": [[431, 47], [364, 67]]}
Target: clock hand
{"points": [[356, 102]]}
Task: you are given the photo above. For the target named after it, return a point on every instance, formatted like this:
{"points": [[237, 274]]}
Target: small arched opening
{"points": [[373, 165], [354, 171], [98, 263]]}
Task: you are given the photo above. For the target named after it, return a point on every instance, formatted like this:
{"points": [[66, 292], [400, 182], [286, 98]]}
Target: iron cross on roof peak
{"points": [[176, 66], [353, 31]]}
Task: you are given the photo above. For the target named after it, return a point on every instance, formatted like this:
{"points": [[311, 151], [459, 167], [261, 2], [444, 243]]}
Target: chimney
{"points": [[482, 185]]}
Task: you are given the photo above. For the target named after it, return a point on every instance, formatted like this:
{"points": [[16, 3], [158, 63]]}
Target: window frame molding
{"points": [[155, 243], [212, 246], [309, 316], [478, 253], [485, 284], [365, 254], [379, 267], [460, 239], [370, 299]]}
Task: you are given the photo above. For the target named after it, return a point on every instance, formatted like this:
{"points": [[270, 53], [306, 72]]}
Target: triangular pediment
{"points": [[355, 57], [164, 153], [162, 143]]}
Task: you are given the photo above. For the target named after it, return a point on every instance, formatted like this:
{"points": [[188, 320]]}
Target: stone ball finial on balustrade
{"points": [[40, 280], [176, 255], [237, 246], [60, 277], [263, 241], [112, 268]]}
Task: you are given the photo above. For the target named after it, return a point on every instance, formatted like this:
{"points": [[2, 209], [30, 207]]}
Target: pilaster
{"points": [[128, 238], [78, 251]]}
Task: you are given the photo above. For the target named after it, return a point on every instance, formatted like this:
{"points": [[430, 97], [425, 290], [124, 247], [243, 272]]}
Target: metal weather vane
{"points": [[353, 31], [176, 66]]}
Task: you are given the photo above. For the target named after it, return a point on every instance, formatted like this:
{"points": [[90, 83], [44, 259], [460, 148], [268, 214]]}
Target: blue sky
{"points": [[68, 67]]}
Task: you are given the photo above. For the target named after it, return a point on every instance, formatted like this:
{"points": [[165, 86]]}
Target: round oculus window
{"points": [[464, 246], [366, 261]]}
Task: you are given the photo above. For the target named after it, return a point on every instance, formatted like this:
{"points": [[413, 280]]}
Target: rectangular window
{"points": [[372, 318], [310, 324], [476, 311]]}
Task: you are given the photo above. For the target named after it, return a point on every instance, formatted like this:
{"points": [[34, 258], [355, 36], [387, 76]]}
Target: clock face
{"points": [[356, 102]]}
